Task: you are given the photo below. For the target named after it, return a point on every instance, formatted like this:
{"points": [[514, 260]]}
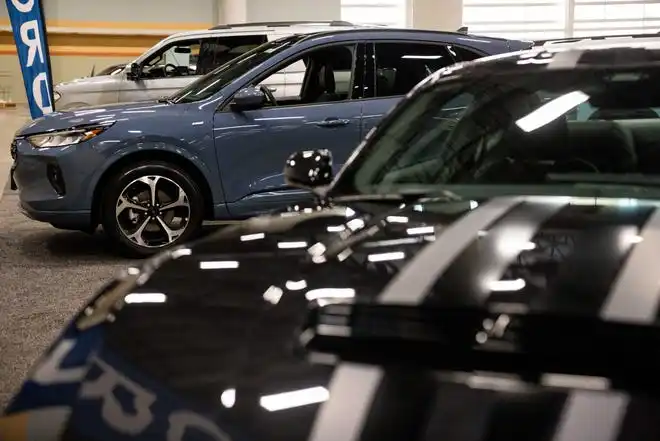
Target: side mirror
{"points": [[309, 169], [133, 72], [248, 98]]}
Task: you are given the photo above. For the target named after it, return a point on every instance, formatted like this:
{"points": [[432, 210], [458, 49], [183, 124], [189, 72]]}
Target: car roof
{"points": [[370, 33], [617, 52], [601, 39], [280, 24], [288, 27]]}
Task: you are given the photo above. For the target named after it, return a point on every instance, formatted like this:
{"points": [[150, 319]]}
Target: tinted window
{"points": [[462, 54], [322, 75], [400, 66], [560, 129], [215, 52], [214, 81]]}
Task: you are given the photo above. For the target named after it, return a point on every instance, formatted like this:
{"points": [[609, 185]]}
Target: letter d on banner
{"points": [[29, 27]]}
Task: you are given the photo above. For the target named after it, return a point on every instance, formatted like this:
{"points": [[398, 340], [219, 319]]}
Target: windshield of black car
{"points": [[549, 129], [211, 83]]}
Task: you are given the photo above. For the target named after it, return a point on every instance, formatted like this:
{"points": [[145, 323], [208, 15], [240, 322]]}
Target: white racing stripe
{"points": [[591, 416], [352, 391], [565, 60], [411, 285], [357, 384], [636, 292]]}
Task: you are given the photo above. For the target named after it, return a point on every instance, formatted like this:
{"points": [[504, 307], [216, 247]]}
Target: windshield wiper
{"points": [[374, 225], [165, 100], [503, 338]]}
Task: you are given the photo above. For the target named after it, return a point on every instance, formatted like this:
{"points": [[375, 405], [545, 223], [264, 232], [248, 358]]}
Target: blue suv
{"points": [[151, 173]]}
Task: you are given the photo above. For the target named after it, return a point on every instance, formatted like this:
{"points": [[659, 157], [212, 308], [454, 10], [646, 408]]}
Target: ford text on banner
{"points": [[27, 22]]}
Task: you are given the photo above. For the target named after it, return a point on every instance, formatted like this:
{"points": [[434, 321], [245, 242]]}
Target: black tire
{"points": [[119, 181]]}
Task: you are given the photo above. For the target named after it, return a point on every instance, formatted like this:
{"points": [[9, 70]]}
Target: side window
{"points": [[216, 51], [400, 66], [462, 54], [322, 75], [174, 60]]}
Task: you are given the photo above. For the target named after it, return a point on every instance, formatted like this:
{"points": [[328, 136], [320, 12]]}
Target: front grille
{"points": [[13, 149]]}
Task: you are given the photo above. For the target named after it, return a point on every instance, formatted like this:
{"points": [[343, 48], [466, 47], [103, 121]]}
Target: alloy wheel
{"points": [[152, 211]]}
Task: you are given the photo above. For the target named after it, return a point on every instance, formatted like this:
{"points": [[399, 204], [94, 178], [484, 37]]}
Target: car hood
{"points": [[210, 332], [87, 83], [94, 115]]}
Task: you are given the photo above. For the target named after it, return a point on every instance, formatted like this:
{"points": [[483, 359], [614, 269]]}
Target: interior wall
{"points": [[83, 34], [265, 10], [177, 14], [172, 12]]}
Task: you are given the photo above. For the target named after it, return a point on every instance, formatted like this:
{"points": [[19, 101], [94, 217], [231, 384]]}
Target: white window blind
{"points": [[530, 19], [544, 19], [614, 17], [391, 13]]}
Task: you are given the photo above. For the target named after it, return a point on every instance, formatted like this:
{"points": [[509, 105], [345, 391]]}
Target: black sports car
{"points": [[475, 273]]}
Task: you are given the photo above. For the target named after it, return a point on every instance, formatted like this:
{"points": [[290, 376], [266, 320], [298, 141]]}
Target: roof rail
{"points": [[275, 24], [593, 38]]}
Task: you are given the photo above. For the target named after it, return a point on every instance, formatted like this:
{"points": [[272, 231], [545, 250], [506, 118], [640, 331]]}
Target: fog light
{"points": [[55, 178]]}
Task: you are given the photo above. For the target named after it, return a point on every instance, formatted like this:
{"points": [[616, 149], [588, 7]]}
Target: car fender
{"points": [[143, 147]]}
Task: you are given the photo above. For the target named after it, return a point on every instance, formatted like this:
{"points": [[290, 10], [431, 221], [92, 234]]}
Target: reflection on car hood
{"points": [[93, 115], [207, 336], [94, 83]]}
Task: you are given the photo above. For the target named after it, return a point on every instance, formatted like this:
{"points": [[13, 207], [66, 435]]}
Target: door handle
{"points": [[333, 122]]}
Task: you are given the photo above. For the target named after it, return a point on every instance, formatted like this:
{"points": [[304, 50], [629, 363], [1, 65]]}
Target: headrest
{"points": [[327, 78]]}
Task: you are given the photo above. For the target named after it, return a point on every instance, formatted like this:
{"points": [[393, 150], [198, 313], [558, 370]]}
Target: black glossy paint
{"points": [[233, 306], [218, 328]]}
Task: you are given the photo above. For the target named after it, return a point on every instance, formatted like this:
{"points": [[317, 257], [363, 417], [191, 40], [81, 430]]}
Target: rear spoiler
{"points": [[593, 38]]}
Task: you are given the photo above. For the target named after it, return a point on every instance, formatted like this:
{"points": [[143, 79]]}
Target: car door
{"points": [[324, 113], [399, 66], [179, 63]]}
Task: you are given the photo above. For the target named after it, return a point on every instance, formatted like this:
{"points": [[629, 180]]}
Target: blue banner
{"points": [[29, 27]]}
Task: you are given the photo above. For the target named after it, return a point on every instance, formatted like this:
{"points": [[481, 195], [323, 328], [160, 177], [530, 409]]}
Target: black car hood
{"points": [[210, 332]]}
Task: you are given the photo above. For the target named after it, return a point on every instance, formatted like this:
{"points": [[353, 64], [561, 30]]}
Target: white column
{"points": [[288, 10], [232, 11], [445, 15]]}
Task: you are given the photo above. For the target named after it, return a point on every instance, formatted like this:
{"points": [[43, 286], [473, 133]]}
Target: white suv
{"points": [[181, 58]]}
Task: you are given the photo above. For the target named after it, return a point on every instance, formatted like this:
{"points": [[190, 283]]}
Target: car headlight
{"points": [[57, 96], [63, 138]]}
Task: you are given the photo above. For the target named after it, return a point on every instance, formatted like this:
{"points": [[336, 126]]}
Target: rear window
{"points": [[462, 54], [215, 52]]}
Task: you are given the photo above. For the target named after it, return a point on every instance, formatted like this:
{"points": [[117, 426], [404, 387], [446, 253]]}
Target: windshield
{"points": [[214, 81], [573, 129]]}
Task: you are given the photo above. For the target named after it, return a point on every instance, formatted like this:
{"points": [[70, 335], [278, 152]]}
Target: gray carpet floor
{"points": [[46, 275]]}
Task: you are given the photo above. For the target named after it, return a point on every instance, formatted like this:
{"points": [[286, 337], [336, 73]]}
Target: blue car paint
{"points": [[239, 155]]}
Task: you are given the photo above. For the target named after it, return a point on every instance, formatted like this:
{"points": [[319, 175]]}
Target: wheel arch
{"points": [[153, 155]]}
